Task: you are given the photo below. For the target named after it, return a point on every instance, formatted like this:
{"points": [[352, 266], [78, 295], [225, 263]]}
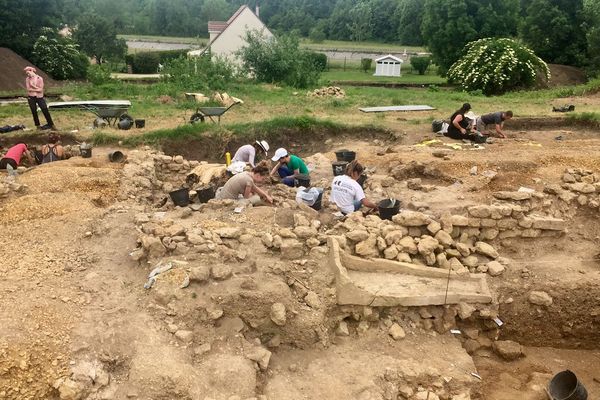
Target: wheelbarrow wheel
{"points": [[196, 118]]}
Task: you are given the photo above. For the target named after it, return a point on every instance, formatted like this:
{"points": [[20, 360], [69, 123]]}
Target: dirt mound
{"points": [[11, 71], [565, 75]]}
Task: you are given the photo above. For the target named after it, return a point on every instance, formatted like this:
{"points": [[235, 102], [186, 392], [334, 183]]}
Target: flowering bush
{"points": [[496, 66], [58, 56]]}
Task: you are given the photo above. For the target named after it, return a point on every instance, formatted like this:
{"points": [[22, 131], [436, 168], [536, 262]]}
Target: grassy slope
{"points": [[354, 75], [164, 39], [360, 46]]}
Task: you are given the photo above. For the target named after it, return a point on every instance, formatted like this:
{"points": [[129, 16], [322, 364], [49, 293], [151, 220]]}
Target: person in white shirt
{"points": [[346, 193], [247, 153]]}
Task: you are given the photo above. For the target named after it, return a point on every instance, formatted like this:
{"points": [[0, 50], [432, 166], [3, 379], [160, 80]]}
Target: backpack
{"points": [[437, 125]]}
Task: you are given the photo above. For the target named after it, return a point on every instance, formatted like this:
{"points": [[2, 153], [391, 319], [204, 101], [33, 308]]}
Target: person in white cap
{"points": [[247, 153], [288, 166]]}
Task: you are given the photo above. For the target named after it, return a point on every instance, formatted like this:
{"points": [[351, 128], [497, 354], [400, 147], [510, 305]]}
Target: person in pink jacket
{"points": [[35, 97]]}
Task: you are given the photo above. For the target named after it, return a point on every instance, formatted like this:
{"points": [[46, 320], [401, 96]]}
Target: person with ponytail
{"points": [[346, 193], [459, 126]]}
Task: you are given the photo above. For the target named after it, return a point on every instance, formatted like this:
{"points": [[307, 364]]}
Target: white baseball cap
{"points": [[263, 145], [279, 153]]}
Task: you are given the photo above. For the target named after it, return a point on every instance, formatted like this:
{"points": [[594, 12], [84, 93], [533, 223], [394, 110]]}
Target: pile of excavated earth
{"points": [[483, 286]]}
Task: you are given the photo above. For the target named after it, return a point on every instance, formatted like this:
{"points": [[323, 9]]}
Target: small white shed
{"points": [[388, 66]]}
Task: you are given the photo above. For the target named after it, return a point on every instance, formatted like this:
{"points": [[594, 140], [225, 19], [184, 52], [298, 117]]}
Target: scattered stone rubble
{"points": [[579, 187], [330, 91]]}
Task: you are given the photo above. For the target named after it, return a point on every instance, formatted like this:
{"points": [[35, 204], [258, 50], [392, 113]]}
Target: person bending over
{"points": [[288, 166], [459, 126], [14, 155], [244, 185], [346, 193], [497, 119]]}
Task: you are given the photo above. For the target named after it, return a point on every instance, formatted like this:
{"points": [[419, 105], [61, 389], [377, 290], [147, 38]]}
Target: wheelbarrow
{"points": [[210, 112], [109, 110]]}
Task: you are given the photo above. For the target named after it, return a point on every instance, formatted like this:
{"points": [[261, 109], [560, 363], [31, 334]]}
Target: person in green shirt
{"points": [[288, 166]]}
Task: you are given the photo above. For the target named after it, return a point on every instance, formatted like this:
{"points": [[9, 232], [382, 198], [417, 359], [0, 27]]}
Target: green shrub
{"points": [[318, 59], [144, 63], [99, 74], [365, 64], [199, 73], [279, 61], [81, 63], [496, 66], [420, 64]]}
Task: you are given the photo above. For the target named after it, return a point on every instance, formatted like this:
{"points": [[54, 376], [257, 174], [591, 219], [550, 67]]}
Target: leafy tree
{"points": [[409, 14], [317, 34], [496, 66], [420, 64], [592, 13], [59, 56], [384, 23], [448, 25], [279, 60], [365, 64], [215, 10], [97, 37], [339, 22], [199, 73], [553, 30], [361, 16], [22, 22]]}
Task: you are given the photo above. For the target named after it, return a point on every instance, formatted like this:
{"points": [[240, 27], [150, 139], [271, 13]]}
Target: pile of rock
{"points": [[161, 237], [580, 185], [330, 91], [414, 237]]}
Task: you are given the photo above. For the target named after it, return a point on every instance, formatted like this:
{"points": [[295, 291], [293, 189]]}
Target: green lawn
{"points": [[354, 75], [359, 46]]}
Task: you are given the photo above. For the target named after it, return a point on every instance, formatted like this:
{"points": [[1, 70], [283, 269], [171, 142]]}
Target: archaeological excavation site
{"points": [[481, 282]]}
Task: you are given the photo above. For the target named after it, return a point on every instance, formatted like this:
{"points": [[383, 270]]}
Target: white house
{"points": [[227, 38], [388, 66]]}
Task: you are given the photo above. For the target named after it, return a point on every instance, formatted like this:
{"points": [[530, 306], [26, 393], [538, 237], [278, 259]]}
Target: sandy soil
{"points": [[73, 300]]}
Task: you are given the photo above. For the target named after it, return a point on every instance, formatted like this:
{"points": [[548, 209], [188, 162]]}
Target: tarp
{"points": [[91, 104]]}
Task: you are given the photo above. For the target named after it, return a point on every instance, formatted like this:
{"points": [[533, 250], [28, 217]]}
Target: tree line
{"points": [[559, 31]]}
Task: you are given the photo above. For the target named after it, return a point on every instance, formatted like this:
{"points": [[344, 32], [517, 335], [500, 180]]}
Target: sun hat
{"points": [[471, 115], [29, 68], [279, 154], [263, 145]]}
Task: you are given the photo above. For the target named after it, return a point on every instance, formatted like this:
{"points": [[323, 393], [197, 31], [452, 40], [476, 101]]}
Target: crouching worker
{"points": [[288, 166], [14, 155], [346, 193], [247, 154], [52, 151], [244, 185]]}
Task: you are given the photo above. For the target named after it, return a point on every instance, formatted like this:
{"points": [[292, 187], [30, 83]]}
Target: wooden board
{"points": [[396, 108]]}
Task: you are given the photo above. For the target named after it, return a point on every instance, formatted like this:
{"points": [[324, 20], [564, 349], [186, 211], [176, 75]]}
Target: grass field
{"points": [[164, 107]]}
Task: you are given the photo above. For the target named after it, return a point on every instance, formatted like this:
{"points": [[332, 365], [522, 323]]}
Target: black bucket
{"points": [[339, 167], [86, 152], [180, 197], [388, 208], [205, 193], [302, 180], [566, 386], [345, 155], [140, 123], [361, 180], [116, 156]]}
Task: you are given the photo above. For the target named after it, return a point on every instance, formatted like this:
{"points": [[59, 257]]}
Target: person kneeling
{"points": [[346, 193], [244, 185], [52, 151]]}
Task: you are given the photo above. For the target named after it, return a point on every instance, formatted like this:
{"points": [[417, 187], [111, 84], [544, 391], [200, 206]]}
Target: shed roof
{"points": [[389, 57]]}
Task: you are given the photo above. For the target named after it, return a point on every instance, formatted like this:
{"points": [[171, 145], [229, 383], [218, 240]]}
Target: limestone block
{"points": [[479, 211], [486, 250], [548, 223], [411, 218]]}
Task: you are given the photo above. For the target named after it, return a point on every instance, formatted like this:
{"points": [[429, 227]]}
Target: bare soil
{"points": [[71, 296]]}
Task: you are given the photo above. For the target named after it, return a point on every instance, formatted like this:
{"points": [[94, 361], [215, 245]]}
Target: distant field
{"points": [[359, 46], [305, 43], [164, 39]]}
